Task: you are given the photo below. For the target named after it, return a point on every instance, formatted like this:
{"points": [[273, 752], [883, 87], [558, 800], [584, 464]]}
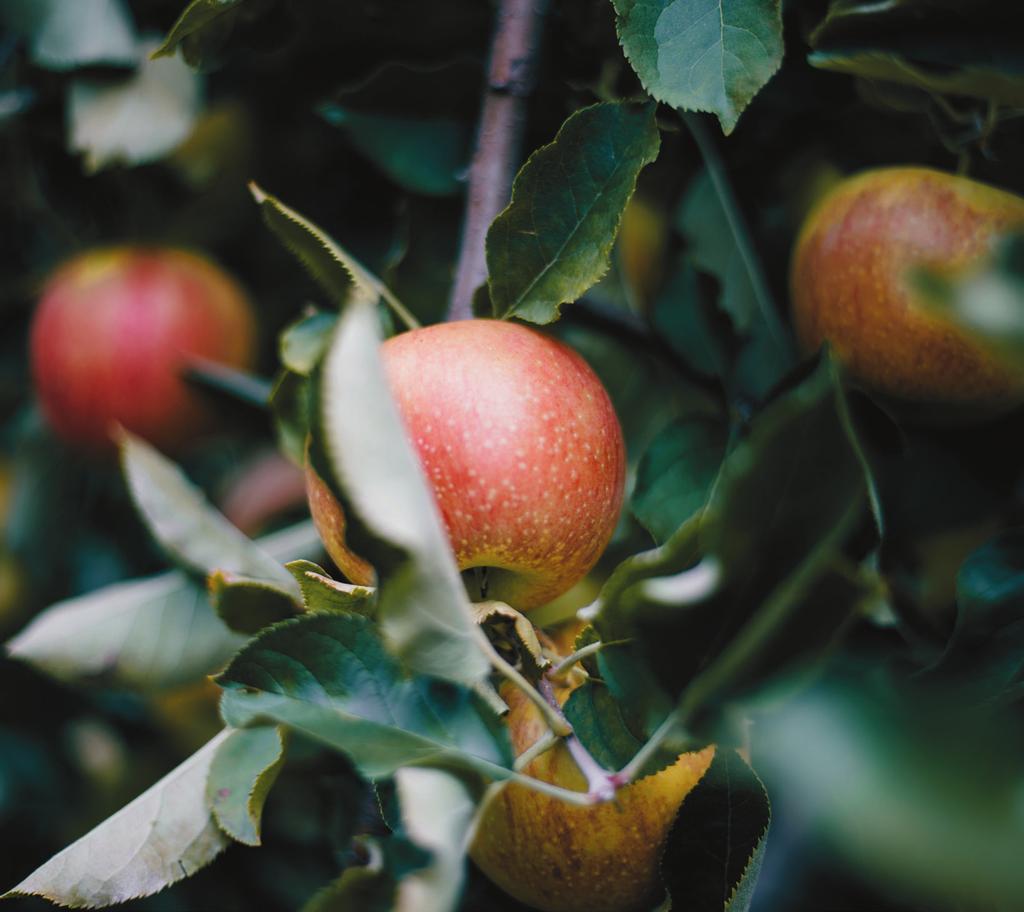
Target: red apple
{"points": [[851, 287], [521, 446], [111, 336]]}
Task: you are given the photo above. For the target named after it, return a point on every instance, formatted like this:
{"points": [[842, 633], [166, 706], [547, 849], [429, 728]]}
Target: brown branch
{"points": [[509, 81]]}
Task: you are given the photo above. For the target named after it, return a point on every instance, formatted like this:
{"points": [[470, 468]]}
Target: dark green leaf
{"points": [[330, 677], [703, 55], [597, 721], [554, 239], [243, 771], [358, 889], [714, 849], [676, 474], [290, 405]]}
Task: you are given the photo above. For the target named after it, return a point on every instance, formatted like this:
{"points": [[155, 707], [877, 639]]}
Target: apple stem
{"points": [[541, 746], [510, 78], [553, 717], [599, 781]]}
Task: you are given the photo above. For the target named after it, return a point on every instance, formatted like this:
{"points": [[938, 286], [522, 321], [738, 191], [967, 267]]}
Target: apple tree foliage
{"points": [[832, 596]]}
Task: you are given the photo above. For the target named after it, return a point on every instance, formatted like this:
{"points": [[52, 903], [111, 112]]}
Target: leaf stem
{"points": [[567, 663], [599, 781], [737, 227], [541, 746], [672, 723], [230, 381], [510, 78], [553, 717]]}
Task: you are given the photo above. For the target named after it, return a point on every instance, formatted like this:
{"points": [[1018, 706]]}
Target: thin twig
{"points": [[599, 780], [539, 747], [632, 769], [567, 663], [509, 81]]}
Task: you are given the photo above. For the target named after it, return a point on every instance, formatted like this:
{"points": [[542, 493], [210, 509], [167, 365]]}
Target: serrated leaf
{"points": [[137, 121], [303, 343], [330, 677], [242, 772], [714, 849], [321, 593], [149, 634], [702, 55], [197, 16], [340, 274], [248, 605], [554, 239], [676, 473], [437, 815], [64, 36], [165, 834], [187, 526], [423, 606]]}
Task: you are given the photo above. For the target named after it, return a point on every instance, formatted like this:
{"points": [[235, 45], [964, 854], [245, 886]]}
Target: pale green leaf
{"points": [[702, 55], [424, 609], [198, 15], [437, 815], [64, 36], [136, 121], [553, 241], [321, 593], [147, 634], [165, 834], [243, 771], [187, 526]]}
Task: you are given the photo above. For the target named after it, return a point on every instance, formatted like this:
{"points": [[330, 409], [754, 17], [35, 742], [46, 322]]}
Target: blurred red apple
{"points": [[111, 338], [851, 287], [522, 448]]}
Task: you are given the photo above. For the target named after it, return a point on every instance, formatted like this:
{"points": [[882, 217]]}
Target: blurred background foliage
{"points": [[896, 774]]}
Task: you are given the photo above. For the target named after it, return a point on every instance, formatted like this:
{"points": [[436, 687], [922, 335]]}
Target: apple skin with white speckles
{"points": [[521, 446], [558, 857], [850, 287]]}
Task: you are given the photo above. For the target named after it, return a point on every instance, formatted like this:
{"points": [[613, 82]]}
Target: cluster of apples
{"points": [[524, 452]]}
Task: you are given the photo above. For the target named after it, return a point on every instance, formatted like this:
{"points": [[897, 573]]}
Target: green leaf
{"points": [[290, 406], [936, 46], [333, 267], [676, 474], [554, 239], [759, 582], [438, 813], [303, 343], [136, 121], [165, 834], [365, 888], [702, 55], [330, 677], [597, 720], [248, 605], [714, 849], [185, 524], [713, 247], [423, 608], [243, 770], [321, 593], [146, 635], [201, 22], [65, 36], [984, 659]]}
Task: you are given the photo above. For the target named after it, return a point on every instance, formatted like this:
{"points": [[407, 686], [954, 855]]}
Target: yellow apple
{"points": [[561, 857]]}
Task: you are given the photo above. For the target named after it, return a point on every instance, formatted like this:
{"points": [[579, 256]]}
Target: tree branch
{"points": [[509, 81]]}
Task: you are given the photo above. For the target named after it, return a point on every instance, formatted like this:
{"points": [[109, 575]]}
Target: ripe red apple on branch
{"points": [[111, 338], [521, 446], [851, 286]]}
